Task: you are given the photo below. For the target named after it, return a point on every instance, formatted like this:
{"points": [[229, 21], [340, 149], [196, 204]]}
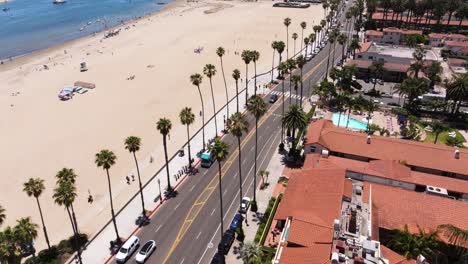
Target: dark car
{"points": [[273, 98], [393, 104], [226, 242], [356, 85], [236, 222], [218, 258]]}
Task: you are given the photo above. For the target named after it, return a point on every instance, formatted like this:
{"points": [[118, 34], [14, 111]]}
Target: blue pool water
{"points": [[31, 25], [352, 122]]}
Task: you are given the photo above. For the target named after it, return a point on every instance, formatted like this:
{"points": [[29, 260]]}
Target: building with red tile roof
{"points": [[379, 18], [391, 35], [457, 47], [438, 39]]}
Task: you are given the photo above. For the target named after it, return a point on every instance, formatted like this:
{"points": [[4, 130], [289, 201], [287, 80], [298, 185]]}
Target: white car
{"points": [[353, 78], [130, 246], [245, 205], [309, 57], [146, 251]]}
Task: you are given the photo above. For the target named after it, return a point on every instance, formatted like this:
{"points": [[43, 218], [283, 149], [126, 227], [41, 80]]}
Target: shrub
{"points": [[253, 206], [240, 233]]}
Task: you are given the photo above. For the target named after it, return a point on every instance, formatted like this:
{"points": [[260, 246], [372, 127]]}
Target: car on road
{"points": [[236, 222], [128, 248], [245, 203], [207, 159], [226, 242], [393, 104], [353, 78], [380, 81], [273, 98], [309, 57], [373, 80], [146, 251], [356, 85], [217, 258]]}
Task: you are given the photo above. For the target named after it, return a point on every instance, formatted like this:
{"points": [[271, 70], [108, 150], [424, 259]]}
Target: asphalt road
{"points": [[186, 228]]}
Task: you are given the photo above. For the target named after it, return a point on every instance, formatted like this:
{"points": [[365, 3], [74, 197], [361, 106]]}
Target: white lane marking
{"points": [[182, 261], [191, 189], [159, 227], [212, 212], [175, 208], [198, 235], [224, 193]]}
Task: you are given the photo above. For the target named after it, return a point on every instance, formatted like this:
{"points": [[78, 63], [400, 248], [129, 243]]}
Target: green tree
{"points": [[27, 230], [66, 175], [295, 119], [11, 248], [411, 246], [303, 27], [437, 128], [354, 45], [220, 150], [300, 62], [196, 79], [35, 187], [418, 65], [296, 79], [255, 55], [209, 70], [238, 124], [274, 44], [164, 126], [106, 159], [317, 29], [283, 69], [312, 38], [412, 88], [257, 107], [287, 22], [461, 14], [457, 91], [220, 52], [456, 236], [306, 42], [331, 39], [433, 72], [280, 49], [2, 215], [377, 70], [291, 66], [133, 144], [451, 7], [187, 118], [294, 37], [246, 56], [342, 39], [236, 76], [251, 252]]}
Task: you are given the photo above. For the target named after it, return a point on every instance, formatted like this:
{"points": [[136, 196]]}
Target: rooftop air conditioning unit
{"points": [[436, 191], [325, 153]]}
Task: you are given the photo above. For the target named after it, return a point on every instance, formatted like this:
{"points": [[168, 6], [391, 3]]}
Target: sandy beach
{"points": [[41, 134]]}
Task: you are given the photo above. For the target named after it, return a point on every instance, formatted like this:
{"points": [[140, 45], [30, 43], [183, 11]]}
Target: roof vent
{"points": [[325, 153], [457, 154], [368, 139], [436, 191]]}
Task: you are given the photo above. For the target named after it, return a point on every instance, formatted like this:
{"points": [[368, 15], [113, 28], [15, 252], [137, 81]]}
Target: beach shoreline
{"points": [[43, 134]]}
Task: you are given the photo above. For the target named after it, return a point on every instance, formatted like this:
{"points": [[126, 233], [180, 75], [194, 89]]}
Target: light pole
{"points": [[160, 195]]}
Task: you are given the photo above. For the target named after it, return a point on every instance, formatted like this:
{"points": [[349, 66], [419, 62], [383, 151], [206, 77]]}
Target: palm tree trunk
{"points": [[282, 114], [347, 121], [333, 57], [302, 84], [328, 62], [246, 83], [139, 183], [75, 238], [203, 114], [339, 116], [287, 43], [240, 170], [293, 136], [112, 205], [255, 77], [302, 38], [449, 18], [188, 146], [220, 200], [255, 162], [237, 95], [214, 109], [272, 67], [225, 87], [43, 224], [290, 87], [167, 163], [294, 51], [436, 137], [76, 234]]}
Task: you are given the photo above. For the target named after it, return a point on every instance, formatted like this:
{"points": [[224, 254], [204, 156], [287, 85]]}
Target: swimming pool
{"points": [[352, 122]]}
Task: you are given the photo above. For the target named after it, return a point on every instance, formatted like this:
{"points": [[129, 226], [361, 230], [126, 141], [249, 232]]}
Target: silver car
{"points": [[146, 251]]}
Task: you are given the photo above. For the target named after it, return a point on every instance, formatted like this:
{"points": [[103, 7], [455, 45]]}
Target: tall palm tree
{"points": [[323, 23], [220, 150], [317, 30], [247, 58], [280, 49], [287, 22], [411, 246], [354, 45], [370, 107], [312, 38], [209, 70], [236, 76], [283, 69], [220, 52], [296, 79], [295, 119], [301, 61], [332, 43], [342, 39], [291, 66], [106, 159], [238, 124], [133, 144], [2, 215], [456, 235], [35, 187], [164, 126], [451, 7], [303, 26], [412, 88], [64, 195], [457, 91], [187, 118], [274, 44], [437, 128], [255, 55], [325, 6], [377, 70], [27, 230], [250, 252], [257, 107], [196, 80], [63, 176], [294, 37], [433, 72], [306, 42]]}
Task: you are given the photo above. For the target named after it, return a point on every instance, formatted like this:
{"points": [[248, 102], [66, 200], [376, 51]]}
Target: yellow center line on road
{"points": [[208, 191]]}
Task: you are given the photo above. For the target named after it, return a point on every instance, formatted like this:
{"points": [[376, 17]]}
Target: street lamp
{"points": [[160, 195]]}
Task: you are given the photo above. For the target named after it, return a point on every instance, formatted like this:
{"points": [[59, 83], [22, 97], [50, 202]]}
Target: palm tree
{"points": [[325, 6], [437, 128], [456, 236], [433, 72], [196, 80], [332, 41], [306, 43], [132, 144], [301, 61], [274, 44], [323, 23], [412, 88], [451, 7], [251, 252], [65, 194], [295, 119], [303, 26], [187, 118], [255, 55], [377, 70], [342, 39], [209, 70], [312, 38], [35, 187], [280, 48], [294, 37], [246, 57], [66, 175], [411, 246], [287, 22], [220, 52], [461, 14], [457, 91], [317, 30], [296, 79], [370, 107], [27, 230], [291, 66], [257, 107], [164, 126], [106, 159], [238, 124], [283, 69], [2, 215], [354, 45], [236, 76], [220, 150]]}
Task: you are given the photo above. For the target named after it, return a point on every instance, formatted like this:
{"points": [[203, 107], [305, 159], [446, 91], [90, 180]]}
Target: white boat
{"points": [[59, 2]]}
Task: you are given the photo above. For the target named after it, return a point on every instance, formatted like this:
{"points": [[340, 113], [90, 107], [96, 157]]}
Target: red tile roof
{"points": [[402, 31], [432, 156], [374, 33], [441, 36], [453, 43], [392, 67], [457, 62]]}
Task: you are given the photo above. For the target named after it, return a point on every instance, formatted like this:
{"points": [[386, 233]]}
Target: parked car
{"points": [[226, 242], [393, 104], [356, 85], [353, 78], [128, 248], [373, 80], [309, 57], [146, 251], [273, 98], [217, 259], [380, 81], [244, 205], [236, 222]]}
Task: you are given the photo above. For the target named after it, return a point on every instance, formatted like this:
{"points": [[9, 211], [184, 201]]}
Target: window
{"points": [[371, 57], [313, 148], [359, 56]]}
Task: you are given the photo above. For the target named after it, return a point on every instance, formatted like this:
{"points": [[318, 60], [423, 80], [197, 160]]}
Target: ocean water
{"points": [[30, 25], [344, 119]]}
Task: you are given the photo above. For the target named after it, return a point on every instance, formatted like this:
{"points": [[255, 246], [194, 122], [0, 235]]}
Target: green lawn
{"points": [[430, 136]]}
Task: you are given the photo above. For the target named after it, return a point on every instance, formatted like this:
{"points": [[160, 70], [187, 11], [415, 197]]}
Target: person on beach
{"points": [[128, 179]]}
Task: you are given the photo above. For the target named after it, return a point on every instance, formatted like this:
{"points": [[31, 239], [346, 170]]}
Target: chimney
{"points": [[368, 139], [457, 153]]}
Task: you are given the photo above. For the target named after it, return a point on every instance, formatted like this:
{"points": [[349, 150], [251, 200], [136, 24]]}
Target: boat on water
{"points": [[56, 2], [5, 9]]}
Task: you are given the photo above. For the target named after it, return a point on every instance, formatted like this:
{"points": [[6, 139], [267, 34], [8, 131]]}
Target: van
{"points": [[126, 251], [207, 159]]}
